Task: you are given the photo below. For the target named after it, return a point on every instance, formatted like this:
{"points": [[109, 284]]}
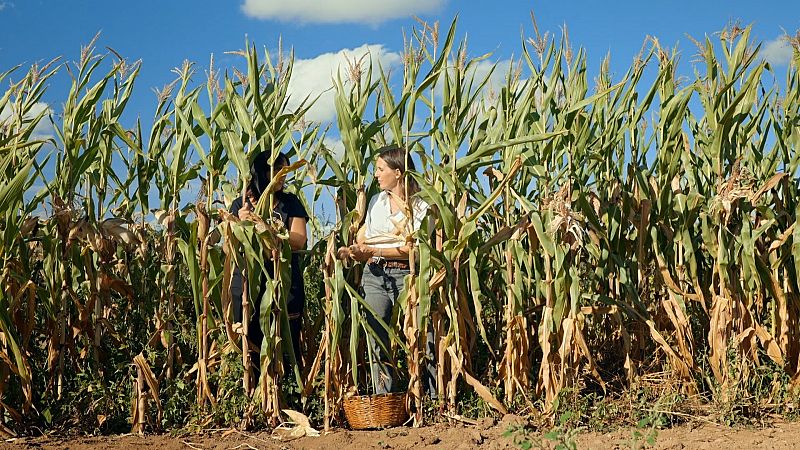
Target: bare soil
{"points": [[486, 434]]}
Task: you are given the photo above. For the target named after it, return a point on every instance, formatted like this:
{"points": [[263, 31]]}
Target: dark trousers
{"points": [[254, 333]]}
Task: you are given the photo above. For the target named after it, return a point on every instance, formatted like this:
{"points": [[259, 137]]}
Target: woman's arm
{"points": [[361, 236], [298, 233], [362, 252], [390, 253]]}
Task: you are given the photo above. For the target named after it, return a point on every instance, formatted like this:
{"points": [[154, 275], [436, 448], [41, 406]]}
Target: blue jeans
{"points": [[381, 288]]}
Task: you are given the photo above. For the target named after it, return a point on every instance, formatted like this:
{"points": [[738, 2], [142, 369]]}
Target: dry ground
{"points": [[486, 435]]}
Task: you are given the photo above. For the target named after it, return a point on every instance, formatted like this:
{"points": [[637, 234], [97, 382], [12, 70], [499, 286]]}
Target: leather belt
{"points": [[390, 263]]}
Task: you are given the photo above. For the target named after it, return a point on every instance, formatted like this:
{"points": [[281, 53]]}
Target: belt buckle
{"points": [[379, 261]]}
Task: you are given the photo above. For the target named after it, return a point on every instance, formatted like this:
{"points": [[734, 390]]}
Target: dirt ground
{"points": [[486, 434]]}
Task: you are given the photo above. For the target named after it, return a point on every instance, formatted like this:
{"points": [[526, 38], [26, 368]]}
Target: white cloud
{"points": [[314, 77], [336, 147], [777, 52], [43, 129], [4, 5], [338, 11]]}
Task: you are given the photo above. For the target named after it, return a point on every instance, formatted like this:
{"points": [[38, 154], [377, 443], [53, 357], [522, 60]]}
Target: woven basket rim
{"points": [[369, 396]]}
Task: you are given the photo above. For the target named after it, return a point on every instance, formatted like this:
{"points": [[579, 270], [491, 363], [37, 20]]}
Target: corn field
{"points": [[585, 234]]}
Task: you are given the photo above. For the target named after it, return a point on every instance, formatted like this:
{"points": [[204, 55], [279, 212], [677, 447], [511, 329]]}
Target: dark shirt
{"points": [[287, 206]]}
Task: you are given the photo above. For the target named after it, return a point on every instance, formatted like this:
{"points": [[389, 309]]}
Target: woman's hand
{"points": [[247, 207], [361, 252], [245, 211], [343, 253]]}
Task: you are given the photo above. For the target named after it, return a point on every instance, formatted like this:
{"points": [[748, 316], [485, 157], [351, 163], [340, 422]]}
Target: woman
{"points": [[381, 243], [294, 217]]}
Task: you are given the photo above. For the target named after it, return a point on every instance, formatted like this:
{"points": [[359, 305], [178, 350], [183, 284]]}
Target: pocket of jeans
{"points": [[376, 270]]}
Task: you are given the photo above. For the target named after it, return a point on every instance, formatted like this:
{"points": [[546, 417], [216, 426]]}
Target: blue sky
{"points": [[164, 33]]}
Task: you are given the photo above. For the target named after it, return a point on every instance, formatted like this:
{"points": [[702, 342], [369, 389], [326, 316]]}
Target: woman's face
{"points": [[387, 178], [281, 181]]}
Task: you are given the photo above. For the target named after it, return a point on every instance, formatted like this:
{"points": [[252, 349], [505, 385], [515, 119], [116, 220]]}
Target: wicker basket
{"points": [[376, 411]]}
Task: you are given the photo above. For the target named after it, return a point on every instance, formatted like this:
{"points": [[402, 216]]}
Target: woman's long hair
{"points": [[261, 171], [398, 158]]}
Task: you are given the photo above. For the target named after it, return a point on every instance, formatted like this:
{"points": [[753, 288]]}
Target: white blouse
{"points": [[386, 230]]}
